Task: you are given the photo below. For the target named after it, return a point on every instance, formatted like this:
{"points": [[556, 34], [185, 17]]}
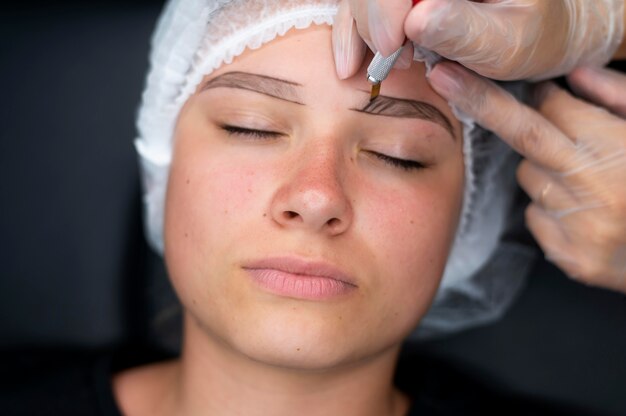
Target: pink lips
{"points": [[298, 278]]}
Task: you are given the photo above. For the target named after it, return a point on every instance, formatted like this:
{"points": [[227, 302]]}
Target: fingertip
{"points": [[583, 80], [426, 16], [586, 81], [582, 73], [446, 78], [348, 47], [579, 78], [385, 22], [353, 59], [602, 86]]}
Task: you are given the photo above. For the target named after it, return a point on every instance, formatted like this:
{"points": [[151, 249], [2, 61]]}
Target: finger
{"points": [[495, 109], [591, 262], [547, 191], [358, 10], [553, 241], [386, 23], [348, 47], [601, 86], [578, 119], [537, 183], [472, 33]]}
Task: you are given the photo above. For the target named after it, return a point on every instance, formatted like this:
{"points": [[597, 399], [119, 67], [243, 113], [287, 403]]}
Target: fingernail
{"points": [[342, 52], [380, 30], [445, 80]]}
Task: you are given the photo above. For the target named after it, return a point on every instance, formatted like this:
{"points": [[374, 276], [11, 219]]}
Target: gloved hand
{"points": [[574, 168], [500, 39]]}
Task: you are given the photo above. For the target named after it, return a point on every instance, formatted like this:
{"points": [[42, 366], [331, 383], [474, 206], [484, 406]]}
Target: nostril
{"points": [[334, 222], [289, 215]]}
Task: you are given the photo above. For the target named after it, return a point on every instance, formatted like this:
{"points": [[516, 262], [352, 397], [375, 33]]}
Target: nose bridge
{"points": [[313, 194], [319, 170]]}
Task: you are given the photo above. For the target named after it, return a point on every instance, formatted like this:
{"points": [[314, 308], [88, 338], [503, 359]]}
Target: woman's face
{"points": [[306, 227]]}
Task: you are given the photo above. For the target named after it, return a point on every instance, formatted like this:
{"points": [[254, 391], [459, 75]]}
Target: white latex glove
{"points": [[500, 39], [574, 168]]}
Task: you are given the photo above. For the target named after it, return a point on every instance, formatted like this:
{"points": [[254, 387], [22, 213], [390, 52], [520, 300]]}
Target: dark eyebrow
{"points": [[403, 108], [274, 87]]}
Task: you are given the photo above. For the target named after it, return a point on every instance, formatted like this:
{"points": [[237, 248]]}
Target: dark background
{"points": [[75, 272]]}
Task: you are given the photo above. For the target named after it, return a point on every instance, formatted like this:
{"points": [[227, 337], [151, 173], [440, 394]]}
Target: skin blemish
{"points": [[186, 235], [187, 181]]}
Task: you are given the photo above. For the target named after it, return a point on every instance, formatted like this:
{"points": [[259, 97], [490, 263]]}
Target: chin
{"points": [[302, 337], [297, 353]]}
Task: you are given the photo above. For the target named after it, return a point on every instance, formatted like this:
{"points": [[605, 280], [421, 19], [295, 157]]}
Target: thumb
{"points": [[474, 34], [385, 20]]}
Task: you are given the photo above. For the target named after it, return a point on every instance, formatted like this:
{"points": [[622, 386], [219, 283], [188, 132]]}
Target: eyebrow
{"points": [[288, 91], [403, 108], [273, 87]]}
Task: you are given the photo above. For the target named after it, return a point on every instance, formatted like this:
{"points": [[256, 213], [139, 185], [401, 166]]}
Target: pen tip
{"points": [[375, 91]]}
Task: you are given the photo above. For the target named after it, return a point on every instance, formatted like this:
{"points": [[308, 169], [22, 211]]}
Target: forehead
{"points": [[304, 56]]}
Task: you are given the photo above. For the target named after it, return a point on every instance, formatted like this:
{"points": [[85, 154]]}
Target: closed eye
{"points": [[250, 133], [407, 165]]}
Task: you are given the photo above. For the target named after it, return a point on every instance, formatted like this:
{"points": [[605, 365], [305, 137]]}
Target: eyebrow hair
{"points": [[273, 87], [403, 108]]}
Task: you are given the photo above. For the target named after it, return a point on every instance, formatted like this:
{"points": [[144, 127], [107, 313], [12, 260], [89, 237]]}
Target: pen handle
{"points": [[380, 67]]}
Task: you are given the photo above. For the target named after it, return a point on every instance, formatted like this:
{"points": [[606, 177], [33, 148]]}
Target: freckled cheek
{"points": [[414, 230], [411, 230], [222, 197]]}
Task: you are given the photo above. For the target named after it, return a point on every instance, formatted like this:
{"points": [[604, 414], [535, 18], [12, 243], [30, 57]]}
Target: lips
{"points": [[298, 278]]}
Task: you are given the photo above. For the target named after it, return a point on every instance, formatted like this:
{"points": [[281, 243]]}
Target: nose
{"points": [[313, 196]]}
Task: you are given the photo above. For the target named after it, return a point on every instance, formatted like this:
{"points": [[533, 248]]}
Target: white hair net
{"points": [[194, 37]]}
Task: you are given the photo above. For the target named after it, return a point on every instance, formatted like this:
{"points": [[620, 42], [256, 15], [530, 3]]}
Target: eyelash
{"points": [[407, 165], [404, 164], [251, 133]]}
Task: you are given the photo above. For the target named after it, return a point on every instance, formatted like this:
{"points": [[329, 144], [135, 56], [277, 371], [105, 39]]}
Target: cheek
{"points": [[414, 242], [413, 230], [211, 204]]}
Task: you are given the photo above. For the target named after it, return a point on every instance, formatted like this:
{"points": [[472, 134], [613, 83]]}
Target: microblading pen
{"points": [[380, 67]]}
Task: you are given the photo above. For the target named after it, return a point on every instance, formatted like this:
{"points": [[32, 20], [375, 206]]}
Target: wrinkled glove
{"points": [[575, 163], [500, 39]]}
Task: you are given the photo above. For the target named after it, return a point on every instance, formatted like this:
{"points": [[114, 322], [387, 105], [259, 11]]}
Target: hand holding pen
{"points": [[500, 39]]}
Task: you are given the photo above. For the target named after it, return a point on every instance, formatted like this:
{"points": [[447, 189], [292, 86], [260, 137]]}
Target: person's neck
{"points": [[212, 379]]}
